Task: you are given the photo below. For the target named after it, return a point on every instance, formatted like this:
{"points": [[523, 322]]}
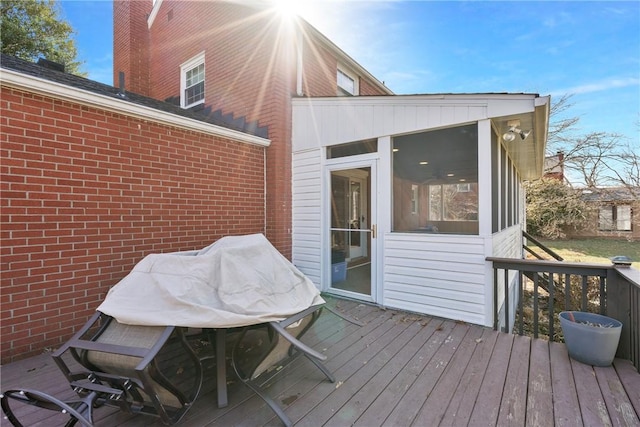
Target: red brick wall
{"points": [[250, 71], [320, 71], [248, 74], [367, 88], [87, 193]]}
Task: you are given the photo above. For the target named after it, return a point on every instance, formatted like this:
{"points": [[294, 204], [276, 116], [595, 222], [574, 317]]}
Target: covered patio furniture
{"points": [[237, 282]]}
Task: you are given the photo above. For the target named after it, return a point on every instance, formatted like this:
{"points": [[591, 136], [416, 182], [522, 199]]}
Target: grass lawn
{"points": [[595, 251]]}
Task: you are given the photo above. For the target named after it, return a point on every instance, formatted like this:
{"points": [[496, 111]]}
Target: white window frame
{"points": [[185, 67], [415, 198], [464, 187], [623, 217], [615, 218], [342, 90], [605, 218]]}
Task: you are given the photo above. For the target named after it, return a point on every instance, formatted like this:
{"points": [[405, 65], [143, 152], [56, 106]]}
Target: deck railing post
{"points": [[551, 304], [506, 301], [535, 305], [603, 296], [496, 322], [520, 302], [618, 307], [567, 292]]}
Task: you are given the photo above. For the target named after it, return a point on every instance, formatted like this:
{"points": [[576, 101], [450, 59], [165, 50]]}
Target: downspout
{"points": [[264, 190], [299, 91]]}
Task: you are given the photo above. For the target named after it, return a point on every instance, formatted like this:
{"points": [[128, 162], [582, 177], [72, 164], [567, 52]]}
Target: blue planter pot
{"points": [[593, 345]]}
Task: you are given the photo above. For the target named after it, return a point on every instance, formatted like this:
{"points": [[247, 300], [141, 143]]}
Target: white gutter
{"points": [[11, 78]]}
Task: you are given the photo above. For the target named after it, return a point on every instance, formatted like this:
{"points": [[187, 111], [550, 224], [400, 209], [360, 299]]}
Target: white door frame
{"points": [[353, 162]]}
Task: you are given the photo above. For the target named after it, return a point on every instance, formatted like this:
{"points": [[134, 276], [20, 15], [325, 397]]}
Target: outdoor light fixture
{"points": [[509, 136], [524, 135], [514, 129]]}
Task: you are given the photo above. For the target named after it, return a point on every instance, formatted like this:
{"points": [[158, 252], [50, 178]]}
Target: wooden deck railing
{"points": [[609, 290]]}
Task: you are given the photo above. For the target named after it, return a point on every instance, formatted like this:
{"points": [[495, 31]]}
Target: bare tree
{"points": [[596, 159]]}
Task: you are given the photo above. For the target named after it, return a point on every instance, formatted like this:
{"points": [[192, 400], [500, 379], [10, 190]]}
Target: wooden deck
{"points": [[401, 369]]}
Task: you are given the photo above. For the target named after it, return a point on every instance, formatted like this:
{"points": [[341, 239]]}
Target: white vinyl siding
{"points": [[306, 215], [506, 244], [439, 275]]}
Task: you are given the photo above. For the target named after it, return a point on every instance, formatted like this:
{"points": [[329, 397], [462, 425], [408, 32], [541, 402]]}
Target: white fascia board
{"points": [[543, 101], [28, 83], [154, 13], [522, 100]]}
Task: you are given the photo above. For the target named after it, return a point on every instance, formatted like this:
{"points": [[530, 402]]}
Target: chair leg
{"points": [[323, 368], [221, 368], [272, 404]]}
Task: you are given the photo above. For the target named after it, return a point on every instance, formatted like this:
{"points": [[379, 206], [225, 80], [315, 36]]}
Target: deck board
{"points": [[592, 405], [618, 405], [435, 332], [565, 398], [514, 399], [360, 401], [398, 369], [539, 397], [435, 408], [463, 400], [406, 410], [630, 381], [487, 403]]}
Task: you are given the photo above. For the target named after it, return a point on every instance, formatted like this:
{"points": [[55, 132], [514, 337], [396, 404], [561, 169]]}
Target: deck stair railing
{"points": [[604, 289], [529, 238], [544, 281]]}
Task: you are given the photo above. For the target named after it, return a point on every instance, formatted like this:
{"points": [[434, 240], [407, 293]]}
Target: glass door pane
{"points": [[350, 232]]}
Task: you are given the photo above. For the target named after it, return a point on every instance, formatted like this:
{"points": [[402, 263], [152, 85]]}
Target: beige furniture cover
{"points": [[236, 281]]}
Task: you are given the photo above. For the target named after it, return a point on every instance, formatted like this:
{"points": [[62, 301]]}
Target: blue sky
{"points": [[589, 49]]}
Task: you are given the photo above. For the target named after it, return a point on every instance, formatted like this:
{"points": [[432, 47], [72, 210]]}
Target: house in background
{"points": [[395, 200], [610, 209], [613, 213], [253, 122], [231, 59], [554, 166]]}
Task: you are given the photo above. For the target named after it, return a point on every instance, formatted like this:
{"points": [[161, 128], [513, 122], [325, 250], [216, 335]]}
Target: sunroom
{"points": [[398, 200]]}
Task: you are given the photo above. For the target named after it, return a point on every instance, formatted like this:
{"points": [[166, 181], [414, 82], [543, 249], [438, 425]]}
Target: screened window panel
{"points": [[435, 181]]}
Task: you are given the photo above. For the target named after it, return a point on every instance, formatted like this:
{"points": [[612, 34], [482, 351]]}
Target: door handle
{"points": [[373, 231]]}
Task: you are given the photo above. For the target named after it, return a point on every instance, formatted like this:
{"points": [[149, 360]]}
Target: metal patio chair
{"points": [[134, 368], [258, 359]]}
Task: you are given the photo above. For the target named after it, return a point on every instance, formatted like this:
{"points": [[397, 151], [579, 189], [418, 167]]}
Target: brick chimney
{"points": [[131, 43]]}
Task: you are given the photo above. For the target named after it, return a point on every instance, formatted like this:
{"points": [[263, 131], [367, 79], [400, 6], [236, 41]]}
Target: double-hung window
{"points": [[615, 218], [347, 83], [192, 75]]}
